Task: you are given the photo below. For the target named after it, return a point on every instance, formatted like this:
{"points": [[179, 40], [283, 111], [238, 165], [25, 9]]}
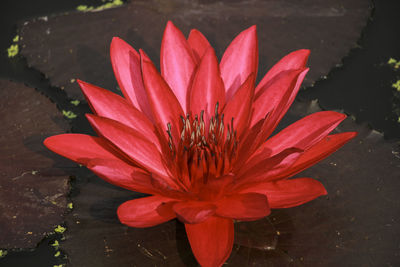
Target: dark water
{"points": [[365, 79]]}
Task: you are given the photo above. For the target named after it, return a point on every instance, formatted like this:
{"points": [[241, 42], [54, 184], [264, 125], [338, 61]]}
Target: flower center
{"points": [[201, 155]]}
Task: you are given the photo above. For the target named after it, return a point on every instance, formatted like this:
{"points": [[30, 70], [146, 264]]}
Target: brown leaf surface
{"points": [[32, 191], [76, 45]]}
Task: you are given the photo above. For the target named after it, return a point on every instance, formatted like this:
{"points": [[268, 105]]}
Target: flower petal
{"points": [[319, 151], [263, 168], [248, 206], [239, 106], [177, 63], [304, 133], [208, 87], [119, 173], [193, 211], [199, 44], [277, 96], [239, 61], [165, 106], [295, 60], [126, 64], [211, 240], [133, 144], [80, 148], [109, 105], [145, 212], [289, 193]]}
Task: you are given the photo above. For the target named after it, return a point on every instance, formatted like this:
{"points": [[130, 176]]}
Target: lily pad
{"points": [[33, 189], [356, 224], [76, 45]]}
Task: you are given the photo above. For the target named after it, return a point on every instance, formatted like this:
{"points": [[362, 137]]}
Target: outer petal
{"points": [[211, 241], [239, 60], [133, 144], [248, 206], [289, 193], [109, 105], [177, 63], [239, 106], [318, 152], [268, 168], [126, 64], [122, 174], [277, 96], [304, 133], [295, 60], [81, 148], [194, 211], [198, 43], [165, 106], [145, 212], [208, 87]]}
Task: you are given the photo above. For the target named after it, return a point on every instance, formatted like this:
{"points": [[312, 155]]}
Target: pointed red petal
{"points": [[277, 96], [211, 241], [80, 148], [109, 105], [132, 143], [239, 106], [145, 212], [126, 64], [119, 173], [239, 60], [208, 87], [249, 206], [289, 193], [165, 106], [304, 133], [199, 44], [264, 168], [177, 63], [295, 60], [193, 211], [319, 151]]}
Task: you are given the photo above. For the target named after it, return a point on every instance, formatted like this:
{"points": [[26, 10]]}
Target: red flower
{"points": [[197, 137]]}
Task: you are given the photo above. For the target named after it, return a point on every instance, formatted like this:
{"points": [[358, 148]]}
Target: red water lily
{"points": [[197, 138]]}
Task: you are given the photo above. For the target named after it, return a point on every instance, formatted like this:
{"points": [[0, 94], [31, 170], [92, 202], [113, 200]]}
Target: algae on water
{"points": [[13, 50], [3, 253], [75, 102], [112, 4], [59, 229], [69, 114], [394, 63]]}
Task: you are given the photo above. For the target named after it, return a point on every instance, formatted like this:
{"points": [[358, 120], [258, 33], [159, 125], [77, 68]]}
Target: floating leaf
{"points": [[33, 189], [141, 23]]}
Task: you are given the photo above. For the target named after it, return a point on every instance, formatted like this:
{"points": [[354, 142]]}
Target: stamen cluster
{"points": [[201, 155]]}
